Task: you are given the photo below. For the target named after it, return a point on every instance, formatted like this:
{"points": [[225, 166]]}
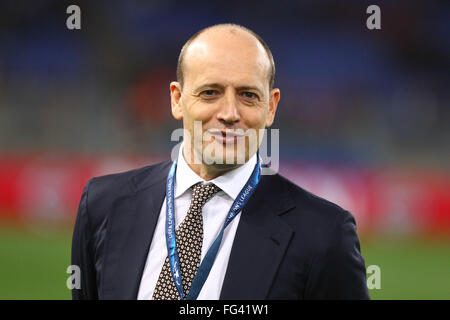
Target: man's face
{"points": [[226, 89]]}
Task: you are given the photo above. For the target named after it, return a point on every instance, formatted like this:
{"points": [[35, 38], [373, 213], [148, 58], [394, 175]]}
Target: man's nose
{"points": [[229, 112]]}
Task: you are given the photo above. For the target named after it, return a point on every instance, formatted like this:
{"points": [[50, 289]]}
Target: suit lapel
{"points": [[130, 231], [260, 242]]}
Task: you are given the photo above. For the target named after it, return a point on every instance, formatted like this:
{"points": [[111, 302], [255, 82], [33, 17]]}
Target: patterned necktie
{"points": [[189, 238]]}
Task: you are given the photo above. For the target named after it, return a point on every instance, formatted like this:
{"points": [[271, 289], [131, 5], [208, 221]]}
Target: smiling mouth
{"points": [[226, 137]]}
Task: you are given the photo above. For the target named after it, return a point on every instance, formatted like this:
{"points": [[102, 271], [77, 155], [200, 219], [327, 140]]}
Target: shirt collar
{"points": [[231, 182]]}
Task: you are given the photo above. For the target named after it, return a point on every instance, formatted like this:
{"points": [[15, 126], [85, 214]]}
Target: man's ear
{"points": [[273, 104], [175, 99]]}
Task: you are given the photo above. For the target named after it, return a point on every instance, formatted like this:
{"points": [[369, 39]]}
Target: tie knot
{"points": [[202, 193]]}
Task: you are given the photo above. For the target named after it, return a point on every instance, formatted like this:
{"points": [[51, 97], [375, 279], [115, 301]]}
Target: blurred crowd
{"points": [[348, 94]]}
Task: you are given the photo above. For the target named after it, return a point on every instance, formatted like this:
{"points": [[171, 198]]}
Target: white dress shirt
{"points": [[214, 214]]}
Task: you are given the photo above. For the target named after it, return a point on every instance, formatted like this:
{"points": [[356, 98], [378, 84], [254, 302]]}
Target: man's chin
{"points": [[230, 156], [224, 163]]}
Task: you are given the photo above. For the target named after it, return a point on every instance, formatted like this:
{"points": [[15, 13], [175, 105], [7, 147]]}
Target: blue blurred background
{"points": [[363, 118]]}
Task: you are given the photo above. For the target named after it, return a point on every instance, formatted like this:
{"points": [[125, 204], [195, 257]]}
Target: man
{"points": [[205, 228]]}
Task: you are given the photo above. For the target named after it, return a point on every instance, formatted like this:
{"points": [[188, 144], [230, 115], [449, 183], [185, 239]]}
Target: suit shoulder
{"points": [[308, 200], [103, 191], [313, 213], [128, 181]]}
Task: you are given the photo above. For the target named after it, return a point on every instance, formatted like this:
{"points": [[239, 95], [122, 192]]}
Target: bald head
{"points": [[236, 40]]}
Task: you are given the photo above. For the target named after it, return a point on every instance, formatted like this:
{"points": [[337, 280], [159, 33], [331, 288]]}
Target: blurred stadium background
{"points": [[363, 119]]}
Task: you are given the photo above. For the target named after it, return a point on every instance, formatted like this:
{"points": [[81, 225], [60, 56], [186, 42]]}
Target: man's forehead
{"points": [[224, 75]]}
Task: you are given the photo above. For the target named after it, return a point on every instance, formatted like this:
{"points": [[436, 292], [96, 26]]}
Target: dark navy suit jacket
{"points": [[289, 244]]}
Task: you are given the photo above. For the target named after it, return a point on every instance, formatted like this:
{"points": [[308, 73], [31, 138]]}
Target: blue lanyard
{"points": [[208, 260]]}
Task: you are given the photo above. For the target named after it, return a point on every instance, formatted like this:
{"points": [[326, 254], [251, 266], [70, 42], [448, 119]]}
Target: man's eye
{"points": [[249, 95], [209, 93]]}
